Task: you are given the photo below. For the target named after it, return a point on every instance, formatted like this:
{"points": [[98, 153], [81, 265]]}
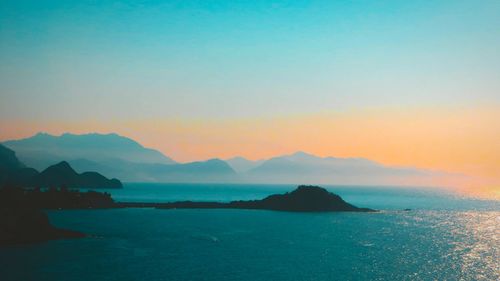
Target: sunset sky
{"points": [[413, 83]]}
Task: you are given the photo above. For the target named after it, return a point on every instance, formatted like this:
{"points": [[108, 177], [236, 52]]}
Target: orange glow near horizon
{"points": [[457, 140]]}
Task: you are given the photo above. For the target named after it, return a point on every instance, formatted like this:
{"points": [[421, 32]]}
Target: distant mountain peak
{"points": [[8, 159], [213, 160], [62, 167], [241, 164], [42, 149], [237, 158], [300, 152], [42, 134], [301, 156], [304, 154]]}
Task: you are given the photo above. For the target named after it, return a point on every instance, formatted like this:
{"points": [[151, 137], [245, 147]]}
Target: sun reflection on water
{"points": [[478, 246]]}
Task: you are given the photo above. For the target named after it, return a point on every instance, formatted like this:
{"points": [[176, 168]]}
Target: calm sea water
{"points": [[444, 237]]}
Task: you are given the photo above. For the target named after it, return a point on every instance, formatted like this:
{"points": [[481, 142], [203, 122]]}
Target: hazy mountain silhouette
{"points": [[123, 158], [202, 171], [117, 157], [307, 168], [9, 160], [242, 165], [12, 170], [14, 173], [43, 150]]}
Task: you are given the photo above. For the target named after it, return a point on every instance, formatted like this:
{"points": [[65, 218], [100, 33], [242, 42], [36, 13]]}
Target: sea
{"points": [[444, 236]]}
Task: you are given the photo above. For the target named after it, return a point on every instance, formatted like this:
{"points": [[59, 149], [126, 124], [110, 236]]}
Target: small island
{"points": [[303, 199]]}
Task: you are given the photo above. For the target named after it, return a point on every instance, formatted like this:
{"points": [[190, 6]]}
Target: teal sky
{"points": [[76, 60]]}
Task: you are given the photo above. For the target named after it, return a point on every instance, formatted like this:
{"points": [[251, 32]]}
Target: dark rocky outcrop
{"points": [[24, 225], [302, 199], [22, 220]]}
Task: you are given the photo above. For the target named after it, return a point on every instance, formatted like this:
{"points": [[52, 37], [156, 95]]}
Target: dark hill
{"points": [[57, 174], [96, 180], [62, 174], [8, 160], [14, 173], [302, 199]]}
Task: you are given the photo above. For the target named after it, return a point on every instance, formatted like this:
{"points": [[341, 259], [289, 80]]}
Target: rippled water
{"points": [[386, 198], [459, 241]]}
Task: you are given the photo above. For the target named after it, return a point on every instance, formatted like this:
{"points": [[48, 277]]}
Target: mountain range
{"points": [[242, 165], [123, 158], [115, 156], [305, 168], [15, 174], [42, 150]]}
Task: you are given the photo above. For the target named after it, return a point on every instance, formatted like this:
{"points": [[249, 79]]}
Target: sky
{"points": [[412, 83]]}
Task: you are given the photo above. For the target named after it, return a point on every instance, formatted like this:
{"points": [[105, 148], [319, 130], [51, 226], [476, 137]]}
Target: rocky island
{"points": [[303, 199]]}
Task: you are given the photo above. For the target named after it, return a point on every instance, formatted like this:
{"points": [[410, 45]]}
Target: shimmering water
{"points": [[386, 198], [444, 237]]}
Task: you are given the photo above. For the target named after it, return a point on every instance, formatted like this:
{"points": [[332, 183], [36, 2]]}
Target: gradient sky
{"points": [[412, 83]]}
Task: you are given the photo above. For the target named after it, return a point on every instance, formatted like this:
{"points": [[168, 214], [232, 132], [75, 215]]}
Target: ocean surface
{"points": [[444, 237]]}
